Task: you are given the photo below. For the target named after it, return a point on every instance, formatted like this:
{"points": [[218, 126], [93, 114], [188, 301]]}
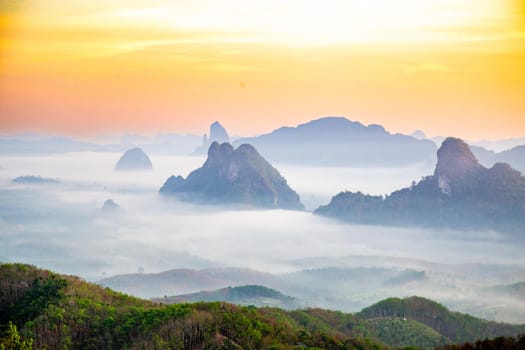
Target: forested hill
{"points": [[52, 311], [455, 326]]}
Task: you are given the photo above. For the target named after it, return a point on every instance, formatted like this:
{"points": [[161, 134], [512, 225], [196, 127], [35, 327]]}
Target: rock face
{"points": [[455, 160], [234, 176], [134, 159], [217, 134], [460, 194], [337, 141]]}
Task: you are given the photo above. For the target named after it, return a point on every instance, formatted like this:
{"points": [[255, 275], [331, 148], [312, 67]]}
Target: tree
{"points": [[10, 339]]}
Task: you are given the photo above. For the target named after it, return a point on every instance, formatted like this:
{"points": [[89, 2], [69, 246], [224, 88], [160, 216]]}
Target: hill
{"points": [[243, 295], [56, 311], [183, 281], [337, 141], [234, 176], [455, 326], [460, 194], [134, 159]]}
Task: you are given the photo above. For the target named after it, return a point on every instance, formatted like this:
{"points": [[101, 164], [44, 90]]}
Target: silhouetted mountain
{"points": [[243, 295], [239, 176], [35, 180], [110, 207], [217, 134], [339, 141], [461, 194], [514, 157], [134, 159]]}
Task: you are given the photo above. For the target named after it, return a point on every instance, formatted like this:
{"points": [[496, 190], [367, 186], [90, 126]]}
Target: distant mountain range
{"points": [[460, 194], [35, 180], [234, 176], [514, 157], [38, 144], [337, 141], [183, 281], [256, 295], [45, 310]]}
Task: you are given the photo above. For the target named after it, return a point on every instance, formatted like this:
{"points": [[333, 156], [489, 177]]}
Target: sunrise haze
{"points": [[86, 68]]}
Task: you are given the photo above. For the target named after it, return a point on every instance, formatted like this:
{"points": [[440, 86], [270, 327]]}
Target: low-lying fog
{"points": [[61, 226]]}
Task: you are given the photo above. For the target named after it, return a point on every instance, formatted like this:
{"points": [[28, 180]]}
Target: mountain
{"points": [[20, 145], [54, 311], [514, 157], [35, 180], [217, 134], [235, 176], [455, 326], [500, 145], [460, 194], [110, 207], [337, 141], [243, 295], [180, 281], [134, 159]]}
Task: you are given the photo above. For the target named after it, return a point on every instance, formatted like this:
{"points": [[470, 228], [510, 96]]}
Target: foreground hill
{"points": [[57, 312], [234, 176], [337, 141], [455, 326], [460, 194], [243, 295]]}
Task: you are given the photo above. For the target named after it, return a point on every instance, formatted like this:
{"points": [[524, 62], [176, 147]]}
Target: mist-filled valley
{"points": [[151, 245]]}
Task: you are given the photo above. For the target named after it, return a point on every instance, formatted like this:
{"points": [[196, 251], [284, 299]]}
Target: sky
{"points": [[85, 68]]}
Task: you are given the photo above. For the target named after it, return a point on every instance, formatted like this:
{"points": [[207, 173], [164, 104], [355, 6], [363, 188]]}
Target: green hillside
{"points": [[45, 310], [243, 295], [456, 326]]}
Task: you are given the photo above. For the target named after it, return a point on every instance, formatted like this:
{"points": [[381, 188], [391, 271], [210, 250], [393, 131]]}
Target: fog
{"points": [[61, 227]]}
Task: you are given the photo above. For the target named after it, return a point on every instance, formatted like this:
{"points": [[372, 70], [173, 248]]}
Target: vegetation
{"points": [[243, 295], [43, 310], [508, 343], [455, 326]]}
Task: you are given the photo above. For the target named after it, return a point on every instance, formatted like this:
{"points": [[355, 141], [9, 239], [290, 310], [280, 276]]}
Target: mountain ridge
{"points": [[234, 176], [460, 194]]}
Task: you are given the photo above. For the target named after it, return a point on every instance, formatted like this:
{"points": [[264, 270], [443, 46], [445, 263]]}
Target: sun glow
{"points": [[76, 64]]}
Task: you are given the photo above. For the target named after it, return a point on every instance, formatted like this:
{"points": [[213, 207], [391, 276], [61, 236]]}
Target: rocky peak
{"points": [[218, 133], [455, 160], [239, 176], [218, 154]]}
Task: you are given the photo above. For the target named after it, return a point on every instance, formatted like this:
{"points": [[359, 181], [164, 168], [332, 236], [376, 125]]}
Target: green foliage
{"points": [[455, 326], [11, 340], [64, 312]]}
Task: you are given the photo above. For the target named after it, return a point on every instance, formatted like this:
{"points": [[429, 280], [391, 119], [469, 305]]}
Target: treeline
{"points": [[43, 310]]}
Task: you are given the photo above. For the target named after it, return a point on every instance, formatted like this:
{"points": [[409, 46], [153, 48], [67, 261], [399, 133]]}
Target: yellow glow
{"points": [[436, 64]]}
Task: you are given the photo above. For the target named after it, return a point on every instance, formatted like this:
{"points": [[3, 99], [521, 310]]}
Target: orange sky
{"points": [[96, 67]]}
